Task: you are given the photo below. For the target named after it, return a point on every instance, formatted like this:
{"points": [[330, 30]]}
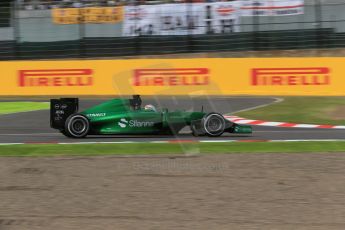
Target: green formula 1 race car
{"points": [[126, 116]]}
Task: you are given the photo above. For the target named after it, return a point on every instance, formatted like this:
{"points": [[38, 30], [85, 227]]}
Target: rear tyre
{"points": [[76, 126], [214, 124]]}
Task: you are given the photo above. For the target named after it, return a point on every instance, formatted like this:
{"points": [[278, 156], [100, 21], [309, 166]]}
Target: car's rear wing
{"points": [[60, 110]]}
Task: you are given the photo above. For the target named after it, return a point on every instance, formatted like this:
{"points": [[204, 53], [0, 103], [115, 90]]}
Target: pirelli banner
{"points": [[241, 76]]}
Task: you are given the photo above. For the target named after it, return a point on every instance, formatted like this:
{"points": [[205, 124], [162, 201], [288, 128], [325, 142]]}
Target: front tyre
{"points": [[77, 126], [214, 124]]}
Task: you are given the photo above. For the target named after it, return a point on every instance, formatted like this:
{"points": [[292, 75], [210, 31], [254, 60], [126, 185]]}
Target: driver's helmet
{"points": [[150, 108]]}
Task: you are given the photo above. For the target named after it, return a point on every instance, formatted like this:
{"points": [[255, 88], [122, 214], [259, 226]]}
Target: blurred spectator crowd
{"points": [[51, 4]]}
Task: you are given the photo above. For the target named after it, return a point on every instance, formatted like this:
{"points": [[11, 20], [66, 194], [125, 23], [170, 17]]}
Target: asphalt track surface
{"points": [[177, 192], [33, 127]]}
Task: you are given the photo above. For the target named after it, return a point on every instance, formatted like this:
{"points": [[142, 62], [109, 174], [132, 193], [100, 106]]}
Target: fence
{"points": [[31, 33]]}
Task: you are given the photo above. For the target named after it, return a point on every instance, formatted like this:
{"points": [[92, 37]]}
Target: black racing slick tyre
{"points": [[214, 124], [77, 126]]}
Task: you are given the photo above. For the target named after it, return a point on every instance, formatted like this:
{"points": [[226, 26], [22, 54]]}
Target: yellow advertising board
{"points": [[213, 76], [87, 15]]}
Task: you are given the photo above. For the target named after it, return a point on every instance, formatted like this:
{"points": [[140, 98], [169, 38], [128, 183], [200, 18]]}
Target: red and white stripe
{"points": [[240, 120]]}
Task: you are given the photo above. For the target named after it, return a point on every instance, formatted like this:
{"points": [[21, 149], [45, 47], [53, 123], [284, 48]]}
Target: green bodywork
{"points": [[118, 117]]}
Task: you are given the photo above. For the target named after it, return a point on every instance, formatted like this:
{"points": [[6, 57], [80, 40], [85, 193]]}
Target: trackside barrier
{"points": [[209, 76]]}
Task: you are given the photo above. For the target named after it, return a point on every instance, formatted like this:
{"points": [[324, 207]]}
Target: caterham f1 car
{"points": [[126, 116]]}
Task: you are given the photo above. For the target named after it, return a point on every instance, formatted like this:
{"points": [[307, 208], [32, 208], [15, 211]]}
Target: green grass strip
{"points": [[307, 110], [15, 107], [162, 148]]}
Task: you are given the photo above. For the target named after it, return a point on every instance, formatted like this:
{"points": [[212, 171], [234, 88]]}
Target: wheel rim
{"points": [[78, 126], [214, 125]]}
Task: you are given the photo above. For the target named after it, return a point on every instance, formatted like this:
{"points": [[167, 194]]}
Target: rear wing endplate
{"points": [[60, 110]]}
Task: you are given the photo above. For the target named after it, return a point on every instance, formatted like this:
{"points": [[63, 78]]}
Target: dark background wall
{"points": [[5, 13]]}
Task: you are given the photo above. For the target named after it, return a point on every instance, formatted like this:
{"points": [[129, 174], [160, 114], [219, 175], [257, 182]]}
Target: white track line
{"points": [[116, 136], [186, 142], [277, 100], [101, 142]]}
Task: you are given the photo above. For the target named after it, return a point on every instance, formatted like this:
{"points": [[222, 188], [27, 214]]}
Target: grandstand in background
{"points": [[52, 4], [36, 29]]}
